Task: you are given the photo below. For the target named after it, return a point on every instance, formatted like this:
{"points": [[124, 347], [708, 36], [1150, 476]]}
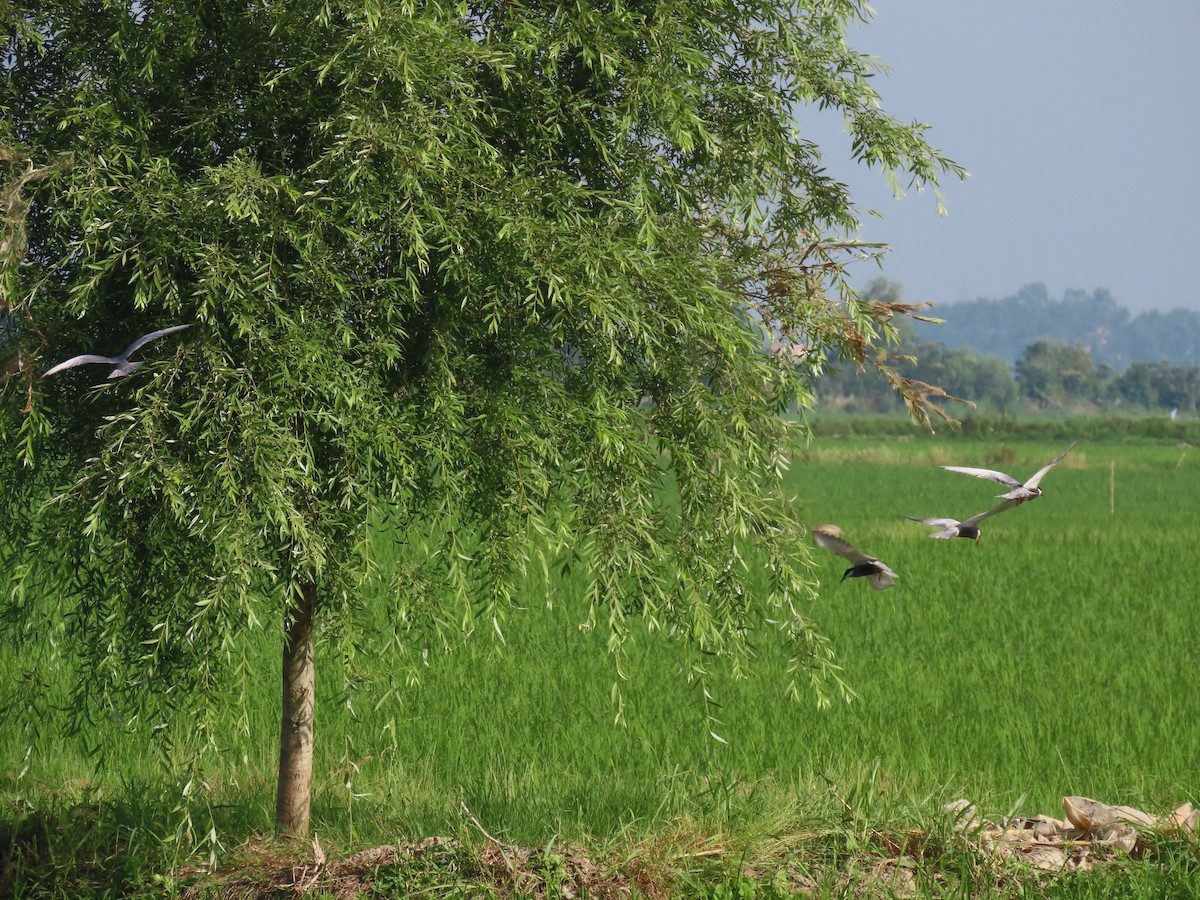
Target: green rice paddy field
{"points": [[1061, 656]]}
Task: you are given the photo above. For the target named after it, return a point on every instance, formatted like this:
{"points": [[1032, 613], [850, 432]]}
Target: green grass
{"points": [[1052, 659], [1057, 658]]}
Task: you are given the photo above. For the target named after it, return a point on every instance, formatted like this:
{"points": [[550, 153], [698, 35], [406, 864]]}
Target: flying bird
{"points": [[1020, 492], [876, 572], [967, 528], [124, 365]]}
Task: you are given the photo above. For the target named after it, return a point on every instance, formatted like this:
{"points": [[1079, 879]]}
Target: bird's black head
{"points": [[860, 571]]}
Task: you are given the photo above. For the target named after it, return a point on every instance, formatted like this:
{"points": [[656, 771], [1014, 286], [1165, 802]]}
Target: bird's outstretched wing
{"points": [[1037, 476], [152, 336], [979, 517], [81, 360], [990, 474], [842, 548], [936, 523]]}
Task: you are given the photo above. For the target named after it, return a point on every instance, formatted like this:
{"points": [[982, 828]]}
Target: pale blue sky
{"points": [[1079, 121]]}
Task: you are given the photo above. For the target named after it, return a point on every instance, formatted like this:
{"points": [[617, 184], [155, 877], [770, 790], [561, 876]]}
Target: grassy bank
{"points": [[1056, 658]]}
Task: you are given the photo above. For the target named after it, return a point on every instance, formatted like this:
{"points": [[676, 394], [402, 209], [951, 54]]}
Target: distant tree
{"points": [[998, 327], [486, 276], [884, 290], [1139, 385], [1172, 336], [961, 374], [984, 380], [1037, 372], [1184, 392], [1096, 320], [1052, 373], [1160, 386]]}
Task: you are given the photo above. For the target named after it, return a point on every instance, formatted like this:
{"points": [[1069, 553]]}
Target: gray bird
{"points": [[876, 572], [1020, 492], [124, 365], [967, 528]]}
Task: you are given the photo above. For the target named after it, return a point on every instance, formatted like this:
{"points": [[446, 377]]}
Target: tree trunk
{"points": [[293, 795]]}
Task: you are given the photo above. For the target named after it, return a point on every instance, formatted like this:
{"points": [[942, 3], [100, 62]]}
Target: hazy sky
{"points": [[1079, 121]]}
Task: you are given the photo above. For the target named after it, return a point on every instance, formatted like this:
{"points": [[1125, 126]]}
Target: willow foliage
{"points": [[474, 284]]}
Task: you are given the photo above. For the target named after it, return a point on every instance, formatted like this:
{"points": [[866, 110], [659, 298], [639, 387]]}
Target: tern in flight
{"points": [[1020, 492], [123, 364], [967, 528], [878, 573]]}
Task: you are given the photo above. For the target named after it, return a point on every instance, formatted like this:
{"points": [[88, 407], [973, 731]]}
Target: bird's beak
{"points": [[976, 542]]}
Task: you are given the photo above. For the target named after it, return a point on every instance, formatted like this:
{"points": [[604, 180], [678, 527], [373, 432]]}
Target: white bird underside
{"points": [[122, 364], [1026, 491], [879, 574]]}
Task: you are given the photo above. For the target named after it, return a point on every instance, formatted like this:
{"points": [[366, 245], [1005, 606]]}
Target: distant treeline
{"points": [[1112, 336], [1009, 428], [1043, 372]]}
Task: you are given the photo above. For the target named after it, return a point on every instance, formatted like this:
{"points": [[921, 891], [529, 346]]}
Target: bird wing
{"points": [[936, 523], [979, 517], [990, 474], [152, 336], [842, 548], [884, 578], [81, 360], [1037, 476]]}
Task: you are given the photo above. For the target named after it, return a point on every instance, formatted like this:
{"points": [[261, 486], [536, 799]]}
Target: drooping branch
{"points": [[15, 355], [14, 208], [804, 301]]}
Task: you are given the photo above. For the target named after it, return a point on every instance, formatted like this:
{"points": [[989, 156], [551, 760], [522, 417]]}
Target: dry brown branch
{"points": [[14, 205]]}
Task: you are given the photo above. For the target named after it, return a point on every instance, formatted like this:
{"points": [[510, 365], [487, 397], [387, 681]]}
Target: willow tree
{"points": [[485, 276]]}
